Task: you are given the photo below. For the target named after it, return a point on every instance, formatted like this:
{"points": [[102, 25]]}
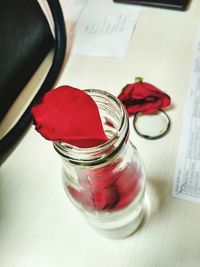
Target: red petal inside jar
{"points": [[128, 185], [111, 191], [69, 115]]}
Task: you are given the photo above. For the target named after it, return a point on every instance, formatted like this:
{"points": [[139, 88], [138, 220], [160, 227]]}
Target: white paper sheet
{"points": [[186, 183], [99, 27], [72, 10]]}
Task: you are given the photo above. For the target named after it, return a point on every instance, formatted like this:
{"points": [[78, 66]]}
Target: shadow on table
{"points": [[155, 201]]}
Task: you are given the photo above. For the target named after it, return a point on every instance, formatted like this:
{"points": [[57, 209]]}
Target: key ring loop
{"points": [[163, 132]]}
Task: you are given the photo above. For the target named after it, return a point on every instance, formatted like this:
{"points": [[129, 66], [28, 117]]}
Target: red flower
{"points": [[143, 97], [69, 115]]}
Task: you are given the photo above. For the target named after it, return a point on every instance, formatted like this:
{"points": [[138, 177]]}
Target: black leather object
{"points": [[25, 41], [171, 4], [60, 44]]}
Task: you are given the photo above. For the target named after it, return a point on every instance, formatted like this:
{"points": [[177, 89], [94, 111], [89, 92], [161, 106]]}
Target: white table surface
{"points": [[39, 226]]}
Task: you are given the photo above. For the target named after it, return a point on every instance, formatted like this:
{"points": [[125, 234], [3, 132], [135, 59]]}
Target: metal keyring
{"points": [[164, 132]]}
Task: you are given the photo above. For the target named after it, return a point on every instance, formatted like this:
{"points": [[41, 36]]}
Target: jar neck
{"points": [[116, 126]]}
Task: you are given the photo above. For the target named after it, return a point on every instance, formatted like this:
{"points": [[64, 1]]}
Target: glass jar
{"points": [[106, 182]]}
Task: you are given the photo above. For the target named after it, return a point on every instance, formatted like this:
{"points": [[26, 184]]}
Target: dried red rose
{"points": [[143, 97], [69, 115]]}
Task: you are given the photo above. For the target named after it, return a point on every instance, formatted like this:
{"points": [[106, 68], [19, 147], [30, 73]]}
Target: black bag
{"points": [[26, 39], [171, 4]]}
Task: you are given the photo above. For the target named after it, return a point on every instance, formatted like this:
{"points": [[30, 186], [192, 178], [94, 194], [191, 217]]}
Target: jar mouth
{"points": [[112, 107]]}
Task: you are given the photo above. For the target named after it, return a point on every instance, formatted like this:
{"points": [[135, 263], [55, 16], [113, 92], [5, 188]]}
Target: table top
{"points": [[38, 224]]}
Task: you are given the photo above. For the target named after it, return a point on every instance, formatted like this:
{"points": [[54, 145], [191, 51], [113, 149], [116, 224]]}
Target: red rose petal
{"points": [[143, 97], [83, 197], [105, 199], [110, 190], [69, 115], [128, 185], [98, 191]]}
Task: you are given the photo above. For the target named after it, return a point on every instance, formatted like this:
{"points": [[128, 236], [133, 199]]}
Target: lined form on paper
{"points": [[186, 183], [99, 28], [72, 10]]}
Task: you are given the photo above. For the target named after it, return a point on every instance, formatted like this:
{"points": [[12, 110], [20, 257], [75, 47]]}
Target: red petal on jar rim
{"points": [[69, 115]]}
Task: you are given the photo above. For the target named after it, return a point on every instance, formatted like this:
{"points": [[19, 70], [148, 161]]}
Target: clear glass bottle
{"points": [[106, 182]]}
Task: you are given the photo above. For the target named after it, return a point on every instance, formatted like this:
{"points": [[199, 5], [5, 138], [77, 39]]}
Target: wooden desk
{"points": [[39, 227]]}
